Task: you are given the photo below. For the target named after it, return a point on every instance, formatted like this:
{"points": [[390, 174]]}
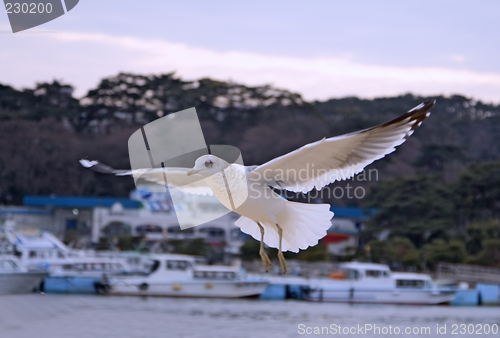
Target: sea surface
{"points": [[72, 316]]}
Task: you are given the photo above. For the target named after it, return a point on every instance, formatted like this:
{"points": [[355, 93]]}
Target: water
{"points": [[70, 316]]}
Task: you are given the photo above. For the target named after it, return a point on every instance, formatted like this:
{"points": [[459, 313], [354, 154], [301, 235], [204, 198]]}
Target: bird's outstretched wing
{"points": [[318, 164], [173, 177]]}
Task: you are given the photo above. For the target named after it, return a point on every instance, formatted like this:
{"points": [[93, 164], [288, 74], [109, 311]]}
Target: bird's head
{"points": [[208, 165]]}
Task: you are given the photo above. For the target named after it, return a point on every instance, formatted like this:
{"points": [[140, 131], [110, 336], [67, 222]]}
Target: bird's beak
{"points": [[192, 172]]}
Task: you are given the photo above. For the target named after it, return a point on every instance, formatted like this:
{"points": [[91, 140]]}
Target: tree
{"points": [[489, 255], [397, 252], [480, 231], [418, 208], [477, 193], [441, 251], [46, 100]]}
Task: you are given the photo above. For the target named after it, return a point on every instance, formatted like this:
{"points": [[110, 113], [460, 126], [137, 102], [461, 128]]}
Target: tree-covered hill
{"points": [[44, 130]]}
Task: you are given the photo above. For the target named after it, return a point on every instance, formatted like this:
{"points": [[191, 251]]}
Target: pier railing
{"points": [[468, 273]]}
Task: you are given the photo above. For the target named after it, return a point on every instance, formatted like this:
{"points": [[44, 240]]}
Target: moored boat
{"points": [[16, 279], [67, 270], [375, 283], [179, 276]]}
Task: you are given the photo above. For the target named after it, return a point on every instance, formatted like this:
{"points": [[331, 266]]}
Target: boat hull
{"points": [[206, 289], [22, 282], [70, 284], [391, 296]]}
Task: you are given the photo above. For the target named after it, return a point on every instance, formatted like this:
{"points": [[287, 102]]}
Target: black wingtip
{"points": [[424, 106], [429, 104], [415, 115]]}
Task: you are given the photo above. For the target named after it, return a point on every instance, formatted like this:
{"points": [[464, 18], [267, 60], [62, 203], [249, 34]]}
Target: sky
{"points": [[321, 49]]}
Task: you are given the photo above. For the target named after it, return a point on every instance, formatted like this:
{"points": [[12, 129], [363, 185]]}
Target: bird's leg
{"points": [[280, 253], [262, 252]]}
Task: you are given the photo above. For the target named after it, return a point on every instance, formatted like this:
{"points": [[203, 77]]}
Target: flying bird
{"points": [[249, 190]]}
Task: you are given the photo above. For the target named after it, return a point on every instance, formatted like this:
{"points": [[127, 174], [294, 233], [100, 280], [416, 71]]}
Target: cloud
{"points": [[316, 78], [457, 58]]}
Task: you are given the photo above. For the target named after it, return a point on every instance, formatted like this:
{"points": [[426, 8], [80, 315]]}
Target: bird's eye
{"points": [[209, 164]]}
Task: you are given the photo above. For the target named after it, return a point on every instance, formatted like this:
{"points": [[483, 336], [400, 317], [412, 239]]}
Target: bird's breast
{"points": [[230, 186]]}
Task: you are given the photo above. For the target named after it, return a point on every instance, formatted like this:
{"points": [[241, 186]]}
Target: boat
{"points": [[69, 270], [174, 275], [16, 279], [357, 282], [80, 275]]}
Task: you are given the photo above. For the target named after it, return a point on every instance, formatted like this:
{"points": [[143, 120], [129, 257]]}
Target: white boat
{"points": [[70, 271], [375, 283], [16, 279], [179, 276]]}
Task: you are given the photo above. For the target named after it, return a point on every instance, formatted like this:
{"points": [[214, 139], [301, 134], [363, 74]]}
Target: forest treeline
{"points": [[441, 189]]}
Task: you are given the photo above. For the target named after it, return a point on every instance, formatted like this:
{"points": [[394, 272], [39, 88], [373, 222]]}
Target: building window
{"points": [[71, 224], [236, 234], [116, 229], [148, 229], [213, 233]]}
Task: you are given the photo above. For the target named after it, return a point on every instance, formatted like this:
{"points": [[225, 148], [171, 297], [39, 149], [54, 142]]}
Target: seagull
{"points": [[250, 191]]}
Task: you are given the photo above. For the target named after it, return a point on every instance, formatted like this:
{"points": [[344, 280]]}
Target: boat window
{"points": [[154, 266], [32, 254], [373, 273], [60, 254], [386, 274], [214, 274], [177, 265], [350, 274], [133, 260], [410, 283], [7, 265]]}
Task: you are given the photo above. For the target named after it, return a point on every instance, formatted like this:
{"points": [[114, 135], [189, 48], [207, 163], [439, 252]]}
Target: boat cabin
{"points": [[358, 271], [406, 280], [179, 266], [10, 264]]}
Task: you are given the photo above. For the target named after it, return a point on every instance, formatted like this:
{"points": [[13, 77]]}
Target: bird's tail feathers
{"points": [[303, 226]]}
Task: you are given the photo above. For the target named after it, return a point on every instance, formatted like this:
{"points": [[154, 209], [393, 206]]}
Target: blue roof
{"points": [[350, 212], [78, 202]]}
